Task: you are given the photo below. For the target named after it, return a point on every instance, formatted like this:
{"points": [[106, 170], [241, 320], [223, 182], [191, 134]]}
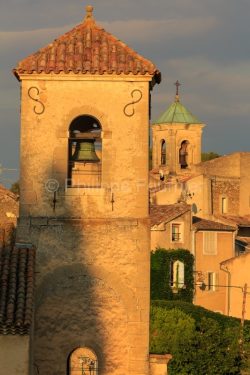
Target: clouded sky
{"points": [[202, 43]]}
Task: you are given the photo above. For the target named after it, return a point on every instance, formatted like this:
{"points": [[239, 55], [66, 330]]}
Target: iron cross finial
{"points": [[177, 84]]}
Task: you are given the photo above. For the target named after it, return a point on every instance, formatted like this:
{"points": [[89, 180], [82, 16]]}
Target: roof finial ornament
{"points": [[89, 12], [177, 84]]}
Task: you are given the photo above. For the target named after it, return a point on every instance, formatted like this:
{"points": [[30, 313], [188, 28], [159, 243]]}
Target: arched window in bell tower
{"points": [[163, 152], [85, 152], [183, 154], [82, 361]]}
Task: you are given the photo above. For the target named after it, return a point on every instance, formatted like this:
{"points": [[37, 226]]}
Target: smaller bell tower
{"points": [[176, 139]]}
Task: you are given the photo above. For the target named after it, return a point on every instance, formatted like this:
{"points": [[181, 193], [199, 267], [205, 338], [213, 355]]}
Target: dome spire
{"points": [[177, 84]]}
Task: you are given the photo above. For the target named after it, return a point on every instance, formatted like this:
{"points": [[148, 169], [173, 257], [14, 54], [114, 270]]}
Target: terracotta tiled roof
{"points": [[203, 224], [87, 49], [16, 289], [165, 213], [245, 240], [239, 221]]}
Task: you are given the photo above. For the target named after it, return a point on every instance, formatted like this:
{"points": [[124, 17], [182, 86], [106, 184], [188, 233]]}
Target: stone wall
{"points": [[14, 355], [158, 363], [92, 244], [229, 188], [92, 290], [124, 147], [245, 184], [224, 166]]}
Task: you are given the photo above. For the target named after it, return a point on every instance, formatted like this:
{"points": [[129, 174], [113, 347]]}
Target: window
{"points": [[183, 155], [83, 361], [209, 243], [176, 232], [224, 205], [163, 152], [85, 152], [177, 274], [211, 281]]}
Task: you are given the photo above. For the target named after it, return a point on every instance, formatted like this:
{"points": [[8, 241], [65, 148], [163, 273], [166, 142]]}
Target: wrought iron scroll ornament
{"points": [[31, 95], [131, 112]]}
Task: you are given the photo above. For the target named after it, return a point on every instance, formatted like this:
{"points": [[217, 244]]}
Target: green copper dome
{"points": [[177, 113]]}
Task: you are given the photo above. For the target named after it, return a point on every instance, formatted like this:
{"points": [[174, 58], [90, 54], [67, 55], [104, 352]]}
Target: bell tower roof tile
{"points": [[87, 49]]}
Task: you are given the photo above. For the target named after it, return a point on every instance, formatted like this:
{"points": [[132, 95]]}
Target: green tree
{"points": [[205, 156], [15, 188], [173, 331], [201, 344]]}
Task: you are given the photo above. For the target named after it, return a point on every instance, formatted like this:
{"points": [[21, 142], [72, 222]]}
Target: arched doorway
{"points": [[83, 361]]}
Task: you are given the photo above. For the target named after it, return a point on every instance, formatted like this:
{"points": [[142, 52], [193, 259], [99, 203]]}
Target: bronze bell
{"points": [[85, 152]]}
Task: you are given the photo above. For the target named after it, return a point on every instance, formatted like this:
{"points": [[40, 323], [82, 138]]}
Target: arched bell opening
{"points": [[163, 152], [82, 361], [85, 152], [183, 154]]}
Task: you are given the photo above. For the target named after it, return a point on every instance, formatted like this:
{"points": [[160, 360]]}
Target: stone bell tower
{"points": [[84, 201], [176, 139]]}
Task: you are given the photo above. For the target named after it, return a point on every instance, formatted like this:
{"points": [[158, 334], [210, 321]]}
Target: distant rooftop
{"points": [[166, 213], [210, 225]]}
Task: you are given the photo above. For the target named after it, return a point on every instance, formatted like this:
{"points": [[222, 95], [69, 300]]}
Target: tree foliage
{"points": [[15, 188], [200, 346], [205, 156]]}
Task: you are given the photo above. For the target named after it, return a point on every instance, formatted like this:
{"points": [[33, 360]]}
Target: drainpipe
{"points": [[193, 251], [211, 196], [228, 287]]}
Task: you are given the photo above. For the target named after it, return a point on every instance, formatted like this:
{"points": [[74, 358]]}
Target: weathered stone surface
{"points": [[89, 294], [14, 354]]}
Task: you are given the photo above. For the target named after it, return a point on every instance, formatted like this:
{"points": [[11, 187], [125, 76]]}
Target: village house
{"points": [[238, 282], [171, 226], [216, 192], [213, 243]]}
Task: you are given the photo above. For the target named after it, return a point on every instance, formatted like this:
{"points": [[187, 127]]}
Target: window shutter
{"points": [[210, 243]]}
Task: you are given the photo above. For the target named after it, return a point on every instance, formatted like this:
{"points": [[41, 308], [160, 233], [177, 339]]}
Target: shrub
{"points": [[202, 342], [161, 274]]}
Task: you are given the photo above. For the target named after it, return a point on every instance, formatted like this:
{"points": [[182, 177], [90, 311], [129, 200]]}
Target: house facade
{"points": [[171, 226], [238, 285], [213, 243]]}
